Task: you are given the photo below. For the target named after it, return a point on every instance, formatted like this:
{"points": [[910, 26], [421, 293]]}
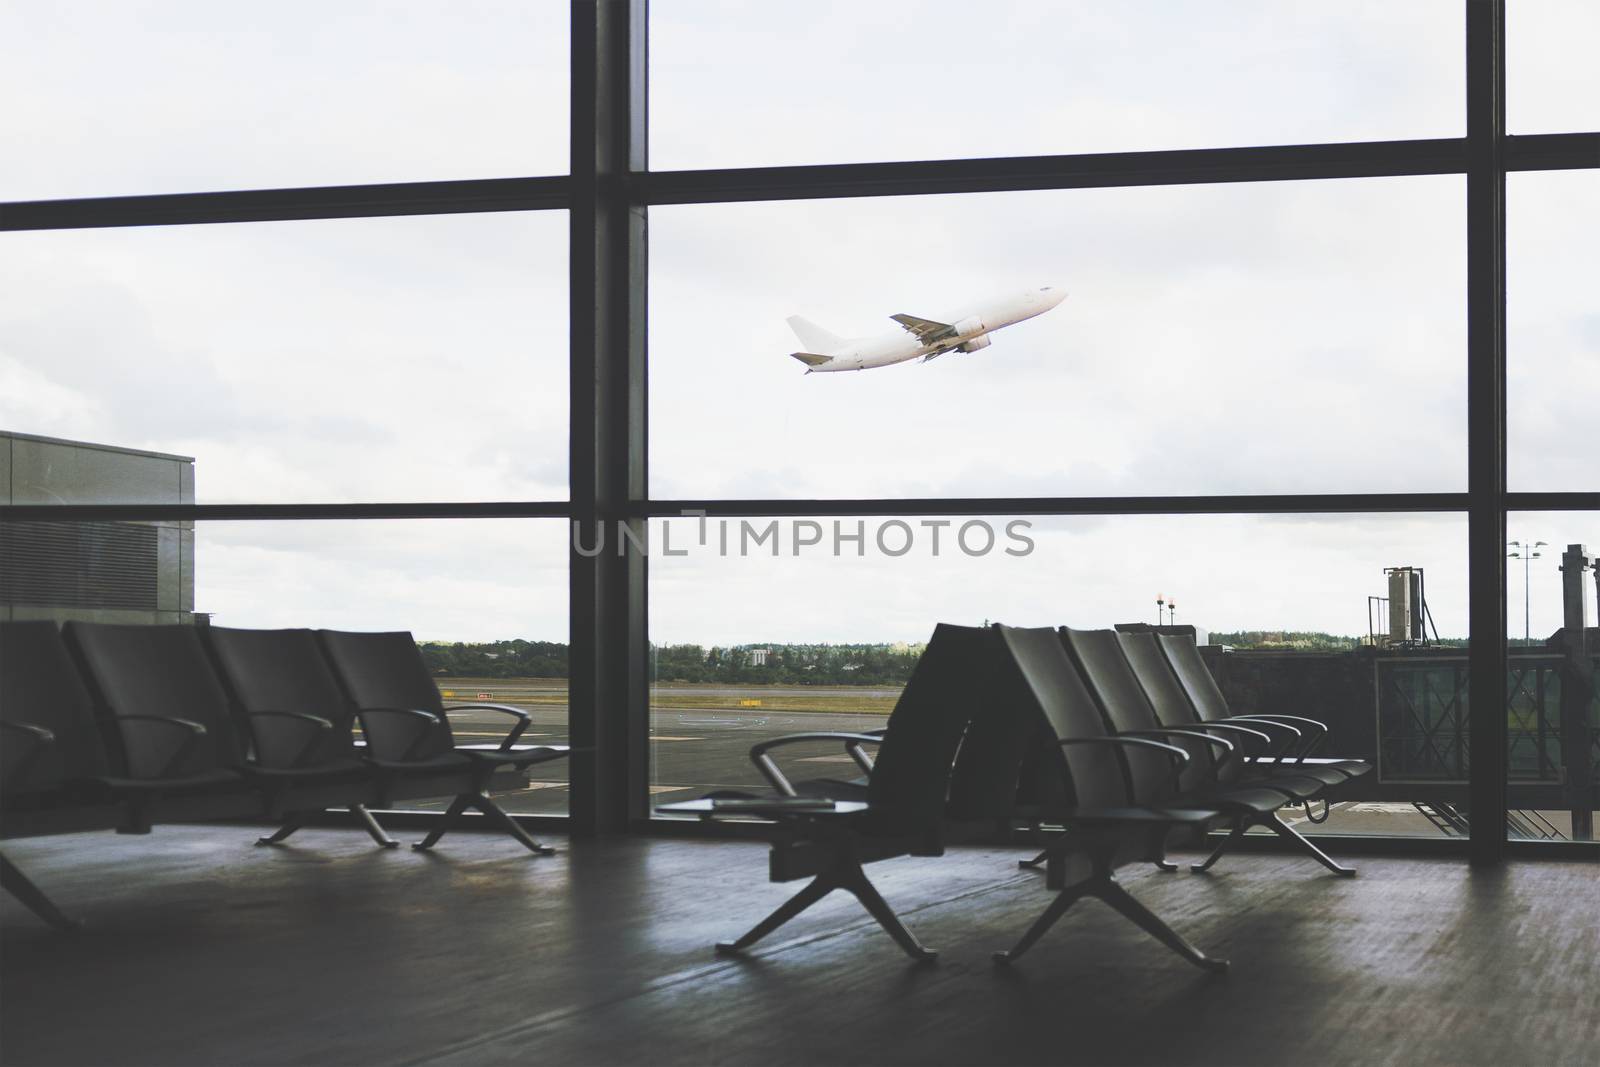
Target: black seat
{"points": [[48, 739], [904, 810], [855, 746], [143, 672], [407, 726], [67, 767], [1258, 750], [1129, 712], [1117, 796], [283, 674], [1302, 735]]}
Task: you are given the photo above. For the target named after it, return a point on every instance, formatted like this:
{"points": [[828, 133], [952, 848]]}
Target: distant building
{"points": [[758, 656], [136, 572]]}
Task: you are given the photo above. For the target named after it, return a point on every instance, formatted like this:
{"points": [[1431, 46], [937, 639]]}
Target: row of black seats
{"points": [[108, 726], [1122, 740]]}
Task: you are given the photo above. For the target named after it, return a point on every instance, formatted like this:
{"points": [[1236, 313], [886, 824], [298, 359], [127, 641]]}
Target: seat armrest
{"points": [[25, 745], [276, 731], [1318, 730], [428, 720], [524, 720], [1289, 734], [769, 769], [1179, 757], [1225, 748], [1222, 743], [1232, 728], [185, 735]]}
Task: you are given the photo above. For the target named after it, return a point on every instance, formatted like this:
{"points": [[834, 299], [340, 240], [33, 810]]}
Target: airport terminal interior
{"points": [[659, 531]]}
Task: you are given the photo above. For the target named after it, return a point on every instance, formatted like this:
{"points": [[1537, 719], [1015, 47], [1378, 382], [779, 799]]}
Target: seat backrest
{"points": [[1096, 774], [911, 773], [386, 670], [162, 671], [40, 686], [284, 670], [1001, 733], [1184, 657], [1126, 706], [1170, 700], [1165, 693]]}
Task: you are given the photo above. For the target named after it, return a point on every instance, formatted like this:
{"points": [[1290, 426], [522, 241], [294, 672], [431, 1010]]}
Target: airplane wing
{"points": [[926, 330]]}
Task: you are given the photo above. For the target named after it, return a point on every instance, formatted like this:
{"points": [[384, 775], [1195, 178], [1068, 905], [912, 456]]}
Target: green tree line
{"points": [[782, 664]]}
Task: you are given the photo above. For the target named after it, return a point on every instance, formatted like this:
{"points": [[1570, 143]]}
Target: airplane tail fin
{"points": [[810, 359], [813, 336]]}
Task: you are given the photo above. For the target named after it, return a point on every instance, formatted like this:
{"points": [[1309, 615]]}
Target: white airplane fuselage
{"points": [[919, 338]]}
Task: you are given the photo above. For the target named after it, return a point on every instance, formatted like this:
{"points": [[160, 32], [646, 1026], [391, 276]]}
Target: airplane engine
{"points": [[968, 326], [975, 344]]}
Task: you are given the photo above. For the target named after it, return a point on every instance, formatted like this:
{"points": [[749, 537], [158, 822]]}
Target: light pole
{"points": [[1527, 553], [1161, 602]]}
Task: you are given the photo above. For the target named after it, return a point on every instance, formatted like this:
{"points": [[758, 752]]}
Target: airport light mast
{"points": [[1527, 553]]}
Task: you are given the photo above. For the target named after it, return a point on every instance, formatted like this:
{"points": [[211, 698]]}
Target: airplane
{"points": [[927, 338]]}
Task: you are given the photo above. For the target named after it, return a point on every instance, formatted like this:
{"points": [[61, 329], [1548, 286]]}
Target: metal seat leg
{"points": [[1222, 846], [815, 890], [1110, 891], [13, 881], [497, 815], [292, 822], [372, 827], [855, 881], [1058, 907], [452, 817], [1283, 829], [844, 874]]}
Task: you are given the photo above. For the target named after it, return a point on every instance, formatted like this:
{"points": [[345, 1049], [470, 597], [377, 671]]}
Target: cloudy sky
{"points": [[1283, 337]]}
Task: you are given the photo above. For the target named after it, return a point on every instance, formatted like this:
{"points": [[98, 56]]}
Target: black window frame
{"points": [[607, 195]]}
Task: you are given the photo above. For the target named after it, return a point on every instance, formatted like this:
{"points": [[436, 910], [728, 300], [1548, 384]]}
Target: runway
{"points": [[698, 749]]}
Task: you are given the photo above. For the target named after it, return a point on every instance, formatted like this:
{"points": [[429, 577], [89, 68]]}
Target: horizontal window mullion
{"points": [[1143, 505], [282, 512], [1553, 501], [1552, 151], [1184, 166], [278, 205]]}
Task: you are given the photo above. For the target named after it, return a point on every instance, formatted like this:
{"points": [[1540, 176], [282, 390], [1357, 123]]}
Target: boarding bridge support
{"points": [[1577, 690]]}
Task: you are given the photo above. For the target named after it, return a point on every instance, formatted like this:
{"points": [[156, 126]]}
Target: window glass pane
{"points": [[750, 644], [1552, 79], [364, 359], [113, 97], [1552, 329], [486, 600], [1553, 704], [910, 79], [1266, 337]]}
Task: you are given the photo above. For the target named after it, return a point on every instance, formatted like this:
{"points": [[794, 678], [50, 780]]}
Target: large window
{"points": [[107, 97], [1239, 338], [1552, 328], [773, 627], [486, 600], [387, 301], [910, 79], [331, 361]]}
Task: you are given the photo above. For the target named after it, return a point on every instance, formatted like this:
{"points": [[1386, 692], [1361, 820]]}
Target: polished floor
{"points": [[200, 949]]}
